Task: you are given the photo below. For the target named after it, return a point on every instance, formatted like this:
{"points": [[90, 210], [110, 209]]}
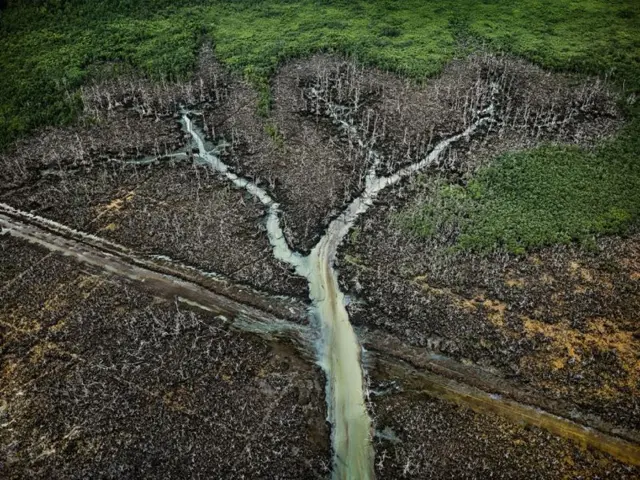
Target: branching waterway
{"points": [[339, 350], [331, 340]]}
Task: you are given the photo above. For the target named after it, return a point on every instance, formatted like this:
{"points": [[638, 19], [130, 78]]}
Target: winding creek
{"points": [[331, 339], [339, 350]]}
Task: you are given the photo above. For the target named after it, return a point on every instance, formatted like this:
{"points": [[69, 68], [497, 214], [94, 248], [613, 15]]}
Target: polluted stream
{"points": [[339, 352], [335, 346], [330, 340], [440, 377]]}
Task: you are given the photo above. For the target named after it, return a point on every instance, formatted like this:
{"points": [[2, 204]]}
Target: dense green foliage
{"points": [[551, 194], [48, 48]]}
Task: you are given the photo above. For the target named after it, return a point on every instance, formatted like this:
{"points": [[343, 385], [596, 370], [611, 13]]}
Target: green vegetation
{"points": [[551, 194], [274, 132], [43, 65], [49, 48]]}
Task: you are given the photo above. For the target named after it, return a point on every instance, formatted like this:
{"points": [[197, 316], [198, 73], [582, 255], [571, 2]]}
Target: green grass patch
{"points": [[43, 68], [524, 200]]}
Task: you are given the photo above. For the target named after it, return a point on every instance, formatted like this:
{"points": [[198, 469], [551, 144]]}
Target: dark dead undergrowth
{"points": [[422, 437], [561, 320], [101, 379]]}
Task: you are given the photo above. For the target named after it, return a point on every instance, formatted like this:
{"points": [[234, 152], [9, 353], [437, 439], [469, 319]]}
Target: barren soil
{"points": [[101, 379]]}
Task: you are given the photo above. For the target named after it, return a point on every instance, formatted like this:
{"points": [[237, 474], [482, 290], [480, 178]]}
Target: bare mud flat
{"points": [[101, 379]]}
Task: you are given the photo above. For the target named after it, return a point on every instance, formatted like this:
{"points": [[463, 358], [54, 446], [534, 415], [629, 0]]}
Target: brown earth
{"points": [[99, 379]]}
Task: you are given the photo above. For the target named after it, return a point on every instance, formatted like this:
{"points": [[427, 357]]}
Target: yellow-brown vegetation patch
{"points": [[114, 205], [601, 335], [547, 279], [496, 311], [515, 282], [38, 352], [110, 227], [456, 299], [8, 369]]}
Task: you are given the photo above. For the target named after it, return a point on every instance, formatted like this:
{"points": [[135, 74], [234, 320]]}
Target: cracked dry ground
{"points": [[102, 379]]}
